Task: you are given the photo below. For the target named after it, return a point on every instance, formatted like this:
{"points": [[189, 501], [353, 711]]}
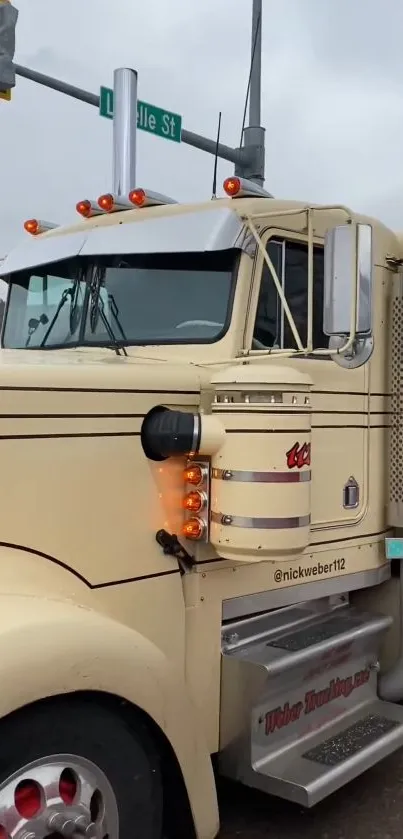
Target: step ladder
{"points": [[300, 716]]}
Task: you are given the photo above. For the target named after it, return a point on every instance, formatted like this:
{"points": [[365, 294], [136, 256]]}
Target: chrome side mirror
{"points": [[348, 280]]}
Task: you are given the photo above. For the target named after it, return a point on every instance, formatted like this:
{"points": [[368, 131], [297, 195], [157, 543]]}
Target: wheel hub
{"points": [[58, 796]]}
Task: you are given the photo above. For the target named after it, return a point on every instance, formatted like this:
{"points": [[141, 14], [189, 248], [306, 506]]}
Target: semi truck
{"points": [[201, 449]]}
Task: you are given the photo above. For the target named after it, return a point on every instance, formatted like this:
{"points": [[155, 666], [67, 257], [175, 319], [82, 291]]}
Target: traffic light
{"points": [[8, 23]]}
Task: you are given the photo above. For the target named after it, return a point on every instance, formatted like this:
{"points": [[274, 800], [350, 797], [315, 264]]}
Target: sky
{"points": [[332, 101]]}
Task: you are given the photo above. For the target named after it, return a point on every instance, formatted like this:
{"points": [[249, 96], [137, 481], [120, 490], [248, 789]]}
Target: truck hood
{"points": [[97, 370]]}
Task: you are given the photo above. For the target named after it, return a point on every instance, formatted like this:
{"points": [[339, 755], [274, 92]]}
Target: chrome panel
{"points": [[251, 604], [35, 251], [260, 523], [211, 230], [261, 477], [216, 229]]}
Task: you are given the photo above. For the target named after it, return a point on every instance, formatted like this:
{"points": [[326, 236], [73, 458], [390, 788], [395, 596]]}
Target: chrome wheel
{"points": [[58, 796]]}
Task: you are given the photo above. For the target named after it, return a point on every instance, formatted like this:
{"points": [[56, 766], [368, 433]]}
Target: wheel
{"points": [[71, 768]]}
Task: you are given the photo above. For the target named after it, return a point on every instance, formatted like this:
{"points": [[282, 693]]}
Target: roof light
{"points": [[35, 227], [111, 203], [147, 198], [232, 186], [242, 188], [88, 208]]}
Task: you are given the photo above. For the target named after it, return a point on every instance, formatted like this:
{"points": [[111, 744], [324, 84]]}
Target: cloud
{"points": [[332, 101]]}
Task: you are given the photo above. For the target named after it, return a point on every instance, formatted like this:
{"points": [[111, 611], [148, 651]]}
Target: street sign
{"points": [[155, 120], [5, 94]]}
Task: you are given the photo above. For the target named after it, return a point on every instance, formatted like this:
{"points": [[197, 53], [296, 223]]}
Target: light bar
{"points": [[110, 203], [242, 188], [147, 198], [35, 227], [88, 208]]}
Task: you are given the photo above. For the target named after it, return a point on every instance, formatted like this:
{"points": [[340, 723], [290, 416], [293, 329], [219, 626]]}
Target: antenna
{"points": [[214, 195]]}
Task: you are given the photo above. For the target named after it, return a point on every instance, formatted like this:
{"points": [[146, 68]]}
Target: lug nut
{"points": [[62, 825], [82, 822]]}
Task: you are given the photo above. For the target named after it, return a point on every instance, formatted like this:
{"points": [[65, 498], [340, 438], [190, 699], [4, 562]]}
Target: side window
{"points": [[290, 259]]}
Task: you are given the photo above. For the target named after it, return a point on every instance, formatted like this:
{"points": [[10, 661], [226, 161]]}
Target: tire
{"points": [[94, 736]]}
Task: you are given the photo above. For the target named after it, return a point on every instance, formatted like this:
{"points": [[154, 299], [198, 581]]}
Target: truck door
{"points": [[340, 419]]}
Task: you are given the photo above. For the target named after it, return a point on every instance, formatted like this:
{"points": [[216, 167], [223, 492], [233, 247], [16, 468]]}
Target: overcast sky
{"points": [[332, 100]]}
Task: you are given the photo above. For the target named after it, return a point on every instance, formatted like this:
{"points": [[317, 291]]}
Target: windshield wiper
{"points": [[71, 293], [97, 309], [115, 312], [68, 292]]}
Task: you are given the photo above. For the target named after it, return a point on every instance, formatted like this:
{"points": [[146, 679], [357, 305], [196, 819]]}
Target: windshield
{"points": [[159, 299]]}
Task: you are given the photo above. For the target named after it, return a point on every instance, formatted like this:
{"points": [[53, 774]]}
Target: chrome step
{"points": [[299, 710], [314, 766]]}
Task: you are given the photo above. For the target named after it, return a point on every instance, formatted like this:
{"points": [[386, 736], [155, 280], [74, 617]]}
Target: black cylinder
{"points": [[167, 433]]}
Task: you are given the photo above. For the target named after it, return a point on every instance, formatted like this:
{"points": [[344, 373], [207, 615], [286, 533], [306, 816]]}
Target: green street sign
{"points": [[149, 118]]}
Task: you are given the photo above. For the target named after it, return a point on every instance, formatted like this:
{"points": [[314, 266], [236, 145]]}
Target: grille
{"points": [[396, 434]]}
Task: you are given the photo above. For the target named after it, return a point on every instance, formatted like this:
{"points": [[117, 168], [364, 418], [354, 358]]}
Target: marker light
{"points": [[35, 227], [193, 529], [194, 474], [147, 198], [232, 186], [110, 203], [88, 208], [243, 188], [194, 501], [137, 197]]}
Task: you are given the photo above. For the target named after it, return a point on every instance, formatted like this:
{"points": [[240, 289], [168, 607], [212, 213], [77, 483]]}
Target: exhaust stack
{"points": [[124, 130]]}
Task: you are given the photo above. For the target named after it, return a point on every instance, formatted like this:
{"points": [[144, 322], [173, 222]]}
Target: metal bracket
{"points": [[358, 354], [251, 157]]}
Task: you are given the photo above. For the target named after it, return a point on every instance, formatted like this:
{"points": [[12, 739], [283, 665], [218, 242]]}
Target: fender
{"points": [[51, 646]]}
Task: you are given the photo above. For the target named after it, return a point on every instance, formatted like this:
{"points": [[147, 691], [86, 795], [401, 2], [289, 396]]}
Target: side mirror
{"points": [[348, 278]]}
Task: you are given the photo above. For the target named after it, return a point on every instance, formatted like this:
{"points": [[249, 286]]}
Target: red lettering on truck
{"points": [[282, 716], [299, 456]]}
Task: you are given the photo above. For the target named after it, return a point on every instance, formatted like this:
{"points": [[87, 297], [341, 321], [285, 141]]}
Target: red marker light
{"points": [[194, 475], [32, 226], [84, 208], [137, 197], [194, 501], [232, 186], [193, 529], [106, 202]]}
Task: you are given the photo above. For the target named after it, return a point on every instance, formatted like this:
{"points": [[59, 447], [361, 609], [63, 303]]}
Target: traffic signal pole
{"points": [[248, 160], [254, 134], [237, 156]]}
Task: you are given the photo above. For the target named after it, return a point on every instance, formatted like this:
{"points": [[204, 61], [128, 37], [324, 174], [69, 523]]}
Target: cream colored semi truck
{"points": [[201, 453]]}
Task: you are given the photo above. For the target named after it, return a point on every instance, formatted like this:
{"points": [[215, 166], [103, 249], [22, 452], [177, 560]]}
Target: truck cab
{"points": [[201, 444]]}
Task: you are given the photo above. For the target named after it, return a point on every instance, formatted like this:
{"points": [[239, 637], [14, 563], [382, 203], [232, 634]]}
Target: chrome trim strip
{"points": [[260, 523], [250, 604], [261, 477], [196, 435]]}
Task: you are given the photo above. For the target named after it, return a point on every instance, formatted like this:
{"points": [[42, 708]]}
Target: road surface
{"points": [[369, 808]]}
